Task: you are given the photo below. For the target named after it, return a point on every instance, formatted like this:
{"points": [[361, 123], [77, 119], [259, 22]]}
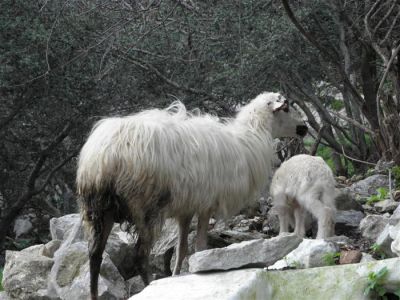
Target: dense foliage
{"points": [[64, 64]]}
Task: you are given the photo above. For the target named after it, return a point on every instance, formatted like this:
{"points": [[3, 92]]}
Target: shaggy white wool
{"points": [[304, 184], [173, 163]]}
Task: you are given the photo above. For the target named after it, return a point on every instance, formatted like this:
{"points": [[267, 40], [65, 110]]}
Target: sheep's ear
{"points": [[277, 106]]}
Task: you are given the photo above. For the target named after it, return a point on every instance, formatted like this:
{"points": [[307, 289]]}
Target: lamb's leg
{"points": [[202, 228], [323, 213], [182, 247], [102, 225], [299, 217]]}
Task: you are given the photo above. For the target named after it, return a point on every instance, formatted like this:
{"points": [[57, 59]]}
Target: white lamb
{"points": [[305, 184]]}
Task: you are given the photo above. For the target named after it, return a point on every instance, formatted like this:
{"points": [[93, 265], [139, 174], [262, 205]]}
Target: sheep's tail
{"points": [[99, 212]]}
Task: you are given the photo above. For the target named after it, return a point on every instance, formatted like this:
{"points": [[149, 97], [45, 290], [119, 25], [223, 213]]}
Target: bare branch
{"points": [[53, 171], [353, 122], [44, 155]]}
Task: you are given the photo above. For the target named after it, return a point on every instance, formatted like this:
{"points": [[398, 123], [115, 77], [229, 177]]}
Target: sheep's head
{"points": [[287, 122], [272, 111]]}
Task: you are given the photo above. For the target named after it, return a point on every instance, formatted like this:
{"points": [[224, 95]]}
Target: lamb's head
{"points": [[272, 111]]}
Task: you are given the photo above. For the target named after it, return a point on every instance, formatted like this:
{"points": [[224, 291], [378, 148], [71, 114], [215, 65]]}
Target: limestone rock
{"points": [[26, 273], [345, 201], [61, 227], [22, 225], [250, 253], [395, 217], [309, 254], [372, 226], [347, 220], [134, 285], [337, 282], [386, 206], [384, 241], [368, 186]]}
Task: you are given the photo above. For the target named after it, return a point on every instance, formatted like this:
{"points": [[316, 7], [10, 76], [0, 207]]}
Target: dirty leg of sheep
{"points": [[102, 226], [182, 247], [202, 227]]}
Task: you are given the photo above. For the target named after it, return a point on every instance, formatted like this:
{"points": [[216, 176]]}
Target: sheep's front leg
{"points": [[202, 228], [182, 247]]}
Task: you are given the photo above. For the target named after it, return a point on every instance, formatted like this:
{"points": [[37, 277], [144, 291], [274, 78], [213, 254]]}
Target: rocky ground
{"points": [[59, 268]]}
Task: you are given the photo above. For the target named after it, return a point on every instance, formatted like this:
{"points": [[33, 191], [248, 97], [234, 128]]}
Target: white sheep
{"points": [[155, 164], [304, 184]]}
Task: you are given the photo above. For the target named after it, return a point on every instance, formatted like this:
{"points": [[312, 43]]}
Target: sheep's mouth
{"points": [[301, 130]]}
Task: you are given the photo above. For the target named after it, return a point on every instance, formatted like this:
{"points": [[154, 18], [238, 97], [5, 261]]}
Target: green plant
{"points": [[337, 104], [375, 283], [382, 194], [331, 258], [22, 243], [1, 279], [396, 175], [377, 250]]}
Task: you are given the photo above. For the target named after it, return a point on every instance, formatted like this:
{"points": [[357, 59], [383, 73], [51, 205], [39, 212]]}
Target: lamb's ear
{"points": [[277, 106]]}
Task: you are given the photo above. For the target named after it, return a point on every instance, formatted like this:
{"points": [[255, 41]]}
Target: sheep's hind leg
{"points": [[182, 247], [323, 213], [102, 226], [202, 228], [299, 217]]}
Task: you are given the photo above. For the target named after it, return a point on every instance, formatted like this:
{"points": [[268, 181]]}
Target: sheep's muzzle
{"points": [[301, 130]]}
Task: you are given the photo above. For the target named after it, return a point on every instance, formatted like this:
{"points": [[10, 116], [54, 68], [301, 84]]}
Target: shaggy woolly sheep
{"points": [[304, 184], [155, 164]]}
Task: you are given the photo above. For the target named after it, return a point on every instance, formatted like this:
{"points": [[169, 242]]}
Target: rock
{"points": [[191, 250], [396, 195], [250, 253], [22, 225], [26, 273], [347, 220], [309, 254], [350, 257], [368, 186], [50, 248], [395, 218], [340, 240], [395, 246], [61, 227], [337, 282], [134, 285], [386, 206], [384, 241], [111, 284], [366, 257], [120, 248], [4, 296], [271, 223], [70, 261], [345, 201], [394, 232], [371, 226]]}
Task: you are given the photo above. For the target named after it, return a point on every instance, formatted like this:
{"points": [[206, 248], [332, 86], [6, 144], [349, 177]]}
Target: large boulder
{"points": [[26, 273], [337, 282], [259, 252]]}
